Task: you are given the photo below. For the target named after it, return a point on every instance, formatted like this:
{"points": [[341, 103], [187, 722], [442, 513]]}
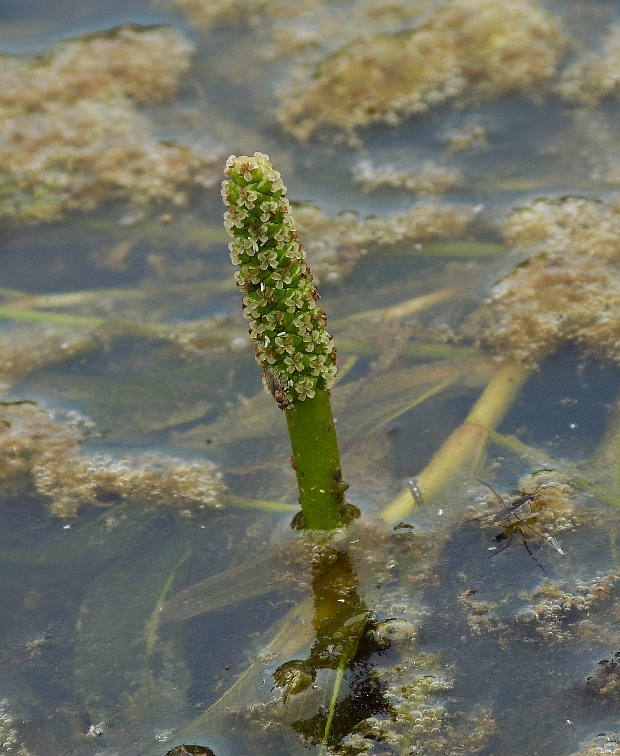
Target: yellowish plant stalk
{"points": [[72, 298], [48, 318], [463, 449], [401, 310], [430, 351], [230, 500], [514, 445]]}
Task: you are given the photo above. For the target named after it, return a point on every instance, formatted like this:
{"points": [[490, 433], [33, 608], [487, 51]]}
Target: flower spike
{"points": [[287, 325]]}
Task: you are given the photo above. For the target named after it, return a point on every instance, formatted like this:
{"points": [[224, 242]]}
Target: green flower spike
{"points": [[288, 329]]}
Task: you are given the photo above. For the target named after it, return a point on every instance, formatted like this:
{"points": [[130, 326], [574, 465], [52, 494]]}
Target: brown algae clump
{"points": [[429, 179], [468, 49], [603, 744], [571, 224], [208, 13], [71, 136], [546, 607], [150, 480], [143, 63], [38, 448], [9, 736], [28, 346], [594, 76], [567, 290]]}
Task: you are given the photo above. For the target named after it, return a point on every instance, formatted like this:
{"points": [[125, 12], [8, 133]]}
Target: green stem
{"points": [[316, 461], [345, 659], [152, 624], [121, 327], [599, 491], [462, 249], [513, 444], [606, 458]]}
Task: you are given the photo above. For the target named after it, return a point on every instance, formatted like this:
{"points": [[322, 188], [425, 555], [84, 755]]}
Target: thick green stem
{"points": [[317, 462]]}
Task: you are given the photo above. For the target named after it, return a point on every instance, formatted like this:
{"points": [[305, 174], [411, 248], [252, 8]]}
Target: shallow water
{"points": [[503, 651]]}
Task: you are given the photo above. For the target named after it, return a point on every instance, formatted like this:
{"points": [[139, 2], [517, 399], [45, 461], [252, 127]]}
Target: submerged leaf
{"points": [[254, 578], [384, 397], [125, 670], [288, 636]]}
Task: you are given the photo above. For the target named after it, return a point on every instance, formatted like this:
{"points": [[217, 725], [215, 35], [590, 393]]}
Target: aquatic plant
{"points": [[400, 630], [288, 329], [565, 290]]}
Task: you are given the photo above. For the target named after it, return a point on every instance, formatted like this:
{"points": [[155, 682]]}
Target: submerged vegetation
{"points": [[467, 49], [40, 450], [72, 134], [449, 165], [566, 289]]}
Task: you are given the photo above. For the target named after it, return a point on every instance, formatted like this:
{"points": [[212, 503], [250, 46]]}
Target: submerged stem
{"points": [[48, 318], [231, 500], [401, 310], [462, 450], [516, 446]]}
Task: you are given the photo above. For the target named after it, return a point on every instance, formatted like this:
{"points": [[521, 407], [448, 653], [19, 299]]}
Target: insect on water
{"points": [[519, 516]]}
